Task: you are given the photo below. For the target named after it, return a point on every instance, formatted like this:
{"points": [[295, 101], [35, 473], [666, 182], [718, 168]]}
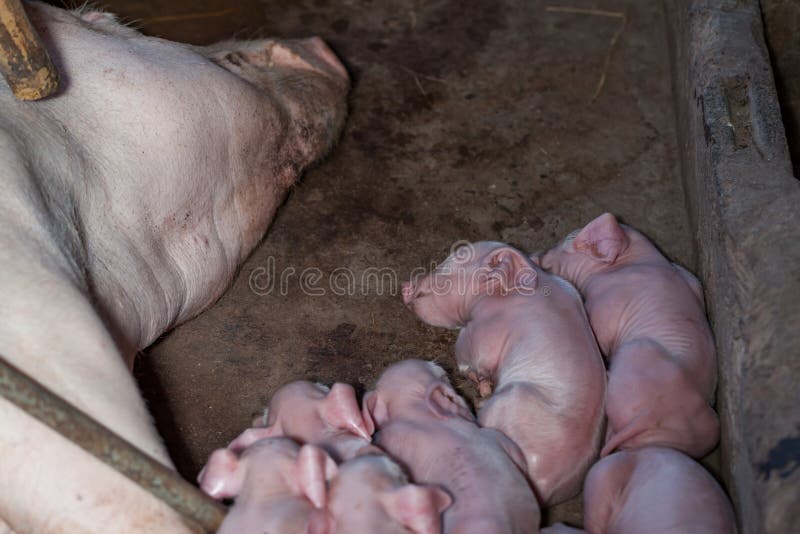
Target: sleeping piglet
{"points": [[427, 426], [275, 482], [652, 489], [524, 336], [649, 319], [372, 494], [313, 413]]}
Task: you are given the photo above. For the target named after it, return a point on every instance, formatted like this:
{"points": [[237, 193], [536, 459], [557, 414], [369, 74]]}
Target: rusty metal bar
{"points": [[108, 447], [24, 61]]}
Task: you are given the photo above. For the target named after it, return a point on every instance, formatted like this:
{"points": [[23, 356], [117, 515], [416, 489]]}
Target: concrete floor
{"points": [[469, 120]]}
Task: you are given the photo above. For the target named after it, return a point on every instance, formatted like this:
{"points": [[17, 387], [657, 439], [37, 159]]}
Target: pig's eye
{"points": [[420, 293]]}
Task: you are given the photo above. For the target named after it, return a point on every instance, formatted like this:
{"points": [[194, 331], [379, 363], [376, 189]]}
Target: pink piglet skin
{"points": [[423, 423], [649, 318], [525, 339]]}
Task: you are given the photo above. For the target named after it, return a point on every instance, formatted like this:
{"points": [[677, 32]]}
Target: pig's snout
{"points": [[408, 293], [412, 292]]}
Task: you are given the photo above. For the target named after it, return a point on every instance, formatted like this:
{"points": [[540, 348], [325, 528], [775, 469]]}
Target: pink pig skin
{"points": [[276, 483], [312, 413], [654, 490], [525, 334], [371, 494], [649, 319], [428, 427]]}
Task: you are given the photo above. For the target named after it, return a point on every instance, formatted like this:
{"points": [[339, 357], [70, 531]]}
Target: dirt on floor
{"points": [[469, 120]]}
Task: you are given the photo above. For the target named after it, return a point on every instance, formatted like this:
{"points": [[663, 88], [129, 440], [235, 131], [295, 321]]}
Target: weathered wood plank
{"points": [[745, 209]]}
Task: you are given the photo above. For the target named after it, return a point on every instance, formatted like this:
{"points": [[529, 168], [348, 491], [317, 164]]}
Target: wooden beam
{"points": [[24, 62], [745, 209]]}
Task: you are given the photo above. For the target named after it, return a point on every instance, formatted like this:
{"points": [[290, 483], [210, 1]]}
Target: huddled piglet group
{"points": [[413, 457]]}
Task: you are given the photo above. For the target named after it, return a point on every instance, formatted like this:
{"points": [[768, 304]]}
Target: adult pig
{"points": [[648, 316], [426, 425], [313, 413], [127, 200], [523, 335], [653, 489], [275, 482]]}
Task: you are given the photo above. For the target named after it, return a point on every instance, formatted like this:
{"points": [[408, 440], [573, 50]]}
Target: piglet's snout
{"points": [[408, 293]]}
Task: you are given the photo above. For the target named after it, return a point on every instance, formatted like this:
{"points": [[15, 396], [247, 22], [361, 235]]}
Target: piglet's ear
{"points": [[603, 239], [444, 402], [340, 410], [251, 435], [419, 508], [313, 468], [223, 475], [509, 269], [374, 411]]}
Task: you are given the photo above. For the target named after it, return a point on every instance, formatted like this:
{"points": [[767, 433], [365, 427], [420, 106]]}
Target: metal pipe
{"points": [[24, 61], [36, 400]]}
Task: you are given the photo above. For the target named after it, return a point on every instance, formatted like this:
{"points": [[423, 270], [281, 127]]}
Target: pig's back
{"points": [[554, 348], [650, 301], [474, 468]]}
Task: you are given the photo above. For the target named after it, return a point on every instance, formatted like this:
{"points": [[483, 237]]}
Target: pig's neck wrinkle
{"points": [[501, 314], [59, 174], [639, 253]]}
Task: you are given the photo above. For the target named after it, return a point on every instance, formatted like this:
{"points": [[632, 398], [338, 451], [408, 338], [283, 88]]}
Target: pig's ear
{"points": [[251, 435], [374, 411], [340, 410], [508, 269], [444, 402], [223, 475], [313, 468], [417, 507], [603, 239]]}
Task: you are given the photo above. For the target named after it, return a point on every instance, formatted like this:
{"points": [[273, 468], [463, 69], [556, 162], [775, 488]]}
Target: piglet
{"points": [[371, 494], [653, 489], [649, 319], [524, 336], [428, 427], [313, 413], [276, 483]]}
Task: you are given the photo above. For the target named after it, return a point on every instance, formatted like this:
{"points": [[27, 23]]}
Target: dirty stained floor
{"points": [[468, 120]]}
